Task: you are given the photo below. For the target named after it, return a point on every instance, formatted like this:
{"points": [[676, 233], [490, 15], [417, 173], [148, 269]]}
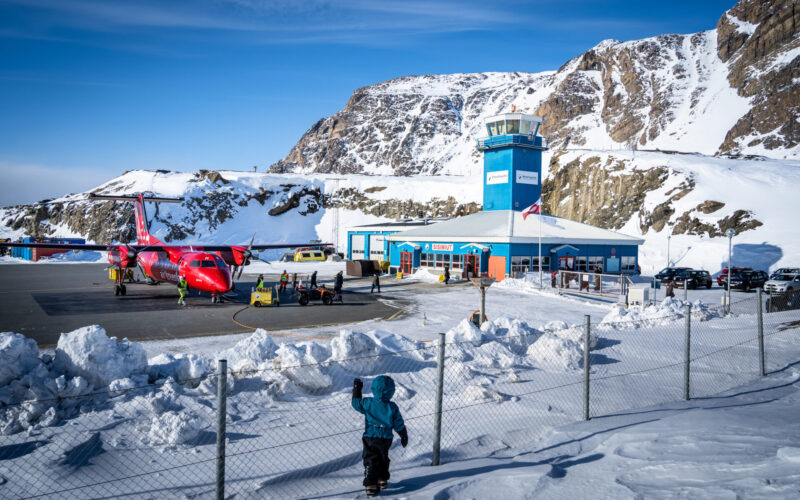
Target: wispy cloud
{"points": [[276, 22]]}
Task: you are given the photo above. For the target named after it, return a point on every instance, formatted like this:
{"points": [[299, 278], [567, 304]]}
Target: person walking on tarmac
{"points": [[314, 280], [260, 282], [284, 281], [337, 286], [376, 282], [183, 288], [446, 275], [671, 289]]}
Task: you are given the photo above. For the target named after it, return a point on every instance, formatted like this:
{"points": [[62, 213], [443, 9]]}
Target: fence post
{"points": [[586, 354], [760, 314], [222, 389], [437, 416], [687, 353]]}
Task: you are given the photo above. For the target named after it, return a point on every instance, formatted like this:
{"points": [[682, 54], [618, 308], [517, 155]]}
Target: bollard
{"points": [[437, 415], [483, 306], [760, 314], [222, 389], [687, 352], [586, 354]]}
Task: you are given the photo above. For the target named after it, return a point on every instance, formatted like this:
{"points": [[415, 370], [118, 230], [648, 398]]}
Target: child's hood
{"points": [[383, 388]]}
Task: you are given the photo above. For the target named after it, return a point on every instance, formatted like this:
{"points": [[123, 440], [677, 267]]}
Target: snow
{"points": [[161, 410], [89, 353]]}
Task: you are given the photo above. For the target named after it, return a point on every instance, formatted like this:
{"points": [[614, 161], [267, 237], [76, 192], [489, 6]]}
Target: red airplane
{"points": [[206, 267]]}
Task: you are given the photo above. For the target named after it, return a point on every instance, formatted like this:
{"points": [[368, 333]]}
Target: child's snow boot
{"points": [[373, 490], [383, 484]]}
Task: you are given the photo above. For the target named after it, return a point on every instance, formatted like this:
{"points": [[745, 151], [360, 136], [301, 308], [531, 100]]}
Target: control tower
{"points": [[512, 161]]}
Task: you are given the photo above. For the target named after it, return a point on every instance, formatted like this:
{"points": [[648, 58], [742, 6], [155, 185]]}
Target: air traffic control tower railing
{"points": [[513, 129]]}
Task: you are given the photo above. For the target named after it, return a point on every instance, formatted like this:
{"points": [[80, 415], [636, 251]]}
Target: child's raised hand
{"points": [[358, 384]]}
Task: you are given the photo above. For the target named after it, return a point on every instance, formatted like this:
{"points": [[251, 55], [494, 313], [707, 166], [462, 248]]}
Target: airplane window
{"points": [[209, 263], [194, 263]]}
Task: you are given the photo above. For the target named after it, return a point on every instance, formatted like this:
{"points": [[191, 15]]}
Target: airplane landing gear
{"points": [[119, 290], [216, 299]]}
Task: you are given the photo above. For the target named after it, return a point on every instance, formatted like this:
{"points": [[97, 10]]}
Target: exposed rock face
{"points": [[733, 90], [760, 42]]}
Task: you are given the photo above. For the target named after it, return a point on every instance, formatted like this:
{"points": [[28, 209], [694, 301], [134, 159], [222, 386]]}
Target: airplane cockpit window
{"points": [[209, 263], [194, 263]]}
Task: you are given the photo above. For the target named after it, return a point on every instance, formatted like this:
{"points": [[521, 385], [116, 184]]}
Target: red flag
{"points": [[533, 209]]}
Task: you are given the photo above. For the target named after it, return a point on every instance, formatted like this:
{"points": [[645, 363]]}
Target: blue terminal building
{"points": [[499, 241]]}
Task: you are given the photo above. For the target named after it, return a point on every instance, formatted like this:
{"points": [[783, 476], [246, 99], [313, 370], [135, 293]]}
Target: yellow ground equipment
{"points": [[306, 254], [399, 275], [265, 297], [113, 274]]}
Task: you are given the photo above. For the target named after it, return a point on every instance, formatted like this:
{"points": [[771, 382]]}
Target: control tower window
{"points": [[492, 128], [513, 126], [501, 128], [525, 127]]}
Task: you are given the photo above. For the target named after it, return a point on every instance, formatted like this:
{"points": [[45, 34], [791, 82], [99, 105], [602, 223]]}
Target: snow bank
{"points": [[251, 353], [555, 353], [667, 311], [424, 275], [355, 352], [89, 353], [18, 355]]}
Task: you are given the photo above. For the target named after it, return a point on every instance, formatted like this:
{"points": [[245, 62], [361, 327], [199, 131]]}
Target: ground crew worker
{"points": [[260, 282], [183, 288], [284, 281], [314, 280], [446, 275], [337, 285], [376, 282]]}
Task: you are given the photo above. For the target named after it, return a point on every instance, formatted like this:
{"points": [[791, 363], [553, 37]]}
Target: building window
{"points": [[580, 264], [426, 260], [628, 264], [358, 254], [442, 260], [458, 261], [520, 264], [545, 263], [596, 264]]}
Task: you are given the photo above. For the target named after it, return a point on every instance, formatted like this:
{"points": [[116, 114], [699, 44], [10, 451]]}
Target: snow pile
{"points": [[528, 283], [76, 256], [302, 365], [171, 428], [89, 353], [667, 311], [251, 353], [479, 393], [183, 368], [18, 355], [555, 353], [355, 352], [424, 275]]}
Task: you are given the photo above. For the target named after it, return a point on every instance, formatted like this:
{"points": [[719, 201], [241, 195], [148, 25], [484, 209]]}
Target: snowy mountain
{"points": [[675, 136], [728, 91]]}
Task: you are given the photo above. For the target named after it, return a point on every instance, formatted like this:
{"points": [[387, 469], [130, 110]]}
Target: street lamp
{"points": [[668, 261], [730, 233]]}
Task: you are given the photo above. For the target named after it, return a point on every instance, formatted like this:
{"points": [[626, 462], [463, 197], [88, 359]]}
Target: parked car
{"points": [[722, 279], [747, 280], [784, 270], [782, 283], [669, 273], [693, 279]]}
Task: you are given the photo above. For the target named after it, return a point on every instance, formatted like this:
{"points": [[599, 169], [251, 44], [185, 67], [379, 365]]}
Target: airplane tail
{"points": [[143, 236]]}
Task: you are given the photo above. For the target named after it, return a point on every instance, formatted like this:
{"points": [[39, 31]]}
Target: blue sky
{"points": [[90, 88]]}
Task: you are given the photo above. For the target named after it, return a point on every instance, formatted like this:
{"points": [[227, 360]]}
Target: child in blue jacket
{"points": [[381, 416]]}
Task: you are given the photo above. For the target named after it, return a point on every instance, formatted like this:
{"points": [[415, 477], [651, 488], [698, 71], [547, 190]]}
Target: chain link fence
{"points": [[289, 430]]}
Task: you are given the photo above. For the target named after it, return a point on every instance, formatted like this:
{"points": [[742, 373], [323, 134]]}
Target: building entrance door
{"points": [[406, 262], [475, 264], [497, 267], [566, 263]]}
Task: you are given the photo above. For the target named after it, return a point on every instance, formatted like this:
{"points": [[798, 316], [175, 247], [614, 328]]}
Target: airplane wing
{"points": [[162, 248], [65, 246]]}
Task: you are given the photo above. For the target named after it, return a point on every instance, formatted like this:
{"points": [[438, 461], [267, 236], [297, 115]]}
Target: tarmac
{"points": [[41, 301]]}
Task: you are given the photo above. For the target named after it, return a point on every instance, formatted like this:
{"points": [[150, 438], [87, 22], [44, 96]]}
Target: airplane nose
{"points": [[222, 282]]}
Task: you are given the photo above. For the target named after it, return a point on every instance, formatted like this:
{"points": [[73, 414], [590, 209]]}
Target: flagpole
{"points": [[540, 248]]}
